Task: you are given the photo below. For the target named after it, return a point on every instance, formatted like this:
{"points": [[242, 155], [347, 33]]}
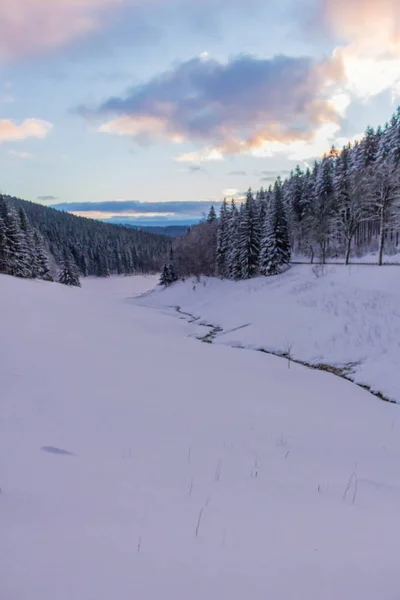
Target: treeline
{"points": [[80, 246], [244, 241], [349, 202], [22, 248]]}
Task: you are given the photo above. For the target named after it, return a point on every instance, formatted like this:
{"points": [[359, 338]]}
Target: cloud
{"points": [[134, 208], [275, 173], [195, 169], [47, 199], [369, 36], [230, 192], [18, 154], [230, 107], [301, 150], [237, 173], [206, 155], [34, 25], [29, 128], [133, 211], [101, 215]]}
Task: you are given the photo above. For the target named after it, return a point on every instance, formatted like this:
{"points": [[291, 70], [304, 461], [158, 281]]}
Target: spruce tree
{"points": [[168, 273], [42, 266], [223, 241], [249, 238], [3, 246], [233, 258], [171, 267], [68, 273], [18, 256], [323, 207], [275, 248], [28, 241], [212, 215], [165, 278]]}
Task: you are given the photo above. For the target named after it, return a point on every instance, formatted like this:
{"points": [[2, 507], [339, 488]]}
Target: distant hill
{"points": [[97, 248], [173, 231]]}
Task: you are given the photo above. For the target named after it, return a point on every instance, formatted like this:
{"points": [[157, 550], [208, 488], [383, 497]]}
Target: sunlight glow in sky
{"points": [[164, 101]]}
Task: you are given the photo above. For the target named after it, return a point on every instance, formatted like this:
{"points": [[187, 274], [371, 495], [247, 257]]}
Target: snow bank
{"points": [[348, 315], [120, 437]]}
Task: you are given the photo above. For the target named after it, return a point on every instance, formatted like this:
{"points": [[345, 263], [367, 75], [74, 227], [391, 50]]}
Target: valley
{"points": [[138, 462]]}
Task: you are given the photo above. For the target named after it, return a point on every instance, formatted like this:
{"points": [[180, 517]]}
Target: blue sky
{"points": [[177, 101]]}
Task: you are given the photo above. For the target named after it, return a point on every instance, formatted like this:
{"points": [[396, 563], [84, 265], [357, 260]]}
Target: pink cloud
{"points": [[369, 31], [35, 25], [29, 128], [361, 20], [31, 26]]}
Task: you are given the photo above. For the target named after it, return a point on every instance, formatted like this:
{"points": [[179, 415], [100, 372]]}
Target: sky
{"points": [[148, 111]]}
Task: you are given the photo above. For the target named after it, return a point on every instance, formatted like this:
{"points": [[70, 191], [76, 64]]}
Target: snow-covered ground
{"points": [[370, 258], [137, 462], [346, 315]]}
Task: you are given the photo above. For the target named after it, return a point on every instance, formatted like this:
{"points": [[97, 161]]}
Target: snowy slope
{"points": [[290, 477], [348, 315]]}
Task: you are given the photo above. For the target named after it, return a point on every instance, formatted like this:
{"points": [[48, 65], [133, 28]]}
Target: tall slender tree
{"points": [[249, 238], [275, 247], [223, 241]]}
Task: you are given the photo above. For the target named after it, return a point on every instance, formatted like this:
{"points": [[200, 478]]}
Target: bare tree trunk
{"points": [[381, 236], [348, 248], [312, 255], [323, 252]]}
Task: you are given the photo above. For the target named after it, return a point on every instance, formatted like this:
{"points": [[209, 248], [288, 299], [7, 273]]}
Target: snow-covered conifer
{"points": [[275, 248], [223, 241], [249, 237], [212, 215], [68, 273]]}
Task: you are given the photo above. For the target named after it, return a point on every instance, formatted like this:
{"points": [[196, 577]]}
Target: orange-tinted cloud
{"points": [[231, 107], [369, 33], [96, 214], [29, 128], [33, 25], [364, 20]]}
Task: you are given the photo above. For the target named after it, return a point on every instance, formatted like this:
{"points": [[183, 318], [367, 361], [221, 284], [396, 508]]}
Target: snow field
{"points": [[289, 476], [347, 315]]}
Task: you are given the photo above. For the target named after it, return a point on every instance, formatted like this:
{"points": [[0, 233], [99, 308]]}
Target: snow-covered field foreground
{"points": [[137, 462], [346, 317]]}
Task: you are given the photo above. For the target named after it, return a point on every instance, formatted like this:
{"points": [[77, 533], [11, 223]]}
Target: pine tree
{"points": [[323, 207], [42, 266], [223, 241], [368, 149], [233, 258], [165, 276], [394, 140], [171, 267], [28, 242], [212, 215], [385, 199], [275, 248], [68, 274], [3, 246], [168, 273], [18, 261], [249, 238]]}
